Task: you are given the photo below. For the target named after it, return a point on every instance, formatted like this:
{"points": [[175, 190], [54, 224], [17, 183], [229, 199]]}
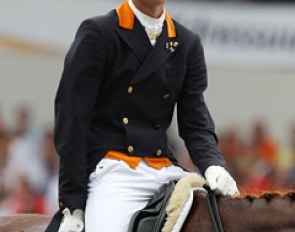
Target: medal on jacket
{"points": [[172, 46]]}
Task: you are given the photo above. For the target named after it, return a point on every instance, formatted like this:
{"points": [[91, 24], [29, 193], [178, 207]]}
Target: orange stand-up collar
{"points": [[126, 19], [126, 16], [170, 26]]}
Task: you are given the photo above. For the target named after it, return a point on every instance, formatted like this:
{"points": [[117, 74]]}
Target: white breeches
{"points": [[117, 191]]}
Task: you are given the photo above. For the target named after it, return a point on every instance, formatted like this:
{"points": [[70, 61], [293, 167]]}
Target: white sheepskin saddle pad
{"points": [[181, 201]]}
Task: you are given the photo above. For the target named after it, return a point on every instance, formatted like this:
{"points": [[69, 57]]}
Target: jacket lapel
{"points": [[155, 59], [134, 35], [132, 32], [137, 40]]}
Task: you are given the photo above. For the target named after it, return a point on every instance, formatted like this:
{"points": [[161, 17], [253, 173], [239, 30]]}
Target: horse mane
{"points": [[269, 196]]}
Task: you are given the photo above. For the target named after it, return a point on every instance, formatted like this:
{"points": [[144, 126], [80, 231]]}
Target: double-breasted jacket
{"points": [[118, 92]]}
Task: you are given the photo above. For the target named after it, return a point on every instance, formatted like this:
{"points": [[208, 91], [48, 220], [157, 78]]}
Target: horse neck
{"points": [[274, 214], [270, 213]]}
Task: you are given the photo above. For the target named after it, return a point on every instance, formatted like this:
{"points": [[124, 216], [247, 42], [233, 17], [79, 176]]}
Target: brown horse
{"points": [[270, 212], [24, 223]]}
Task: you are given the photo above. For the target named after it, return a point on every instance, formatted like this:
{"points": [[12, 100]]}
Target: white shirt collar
{"points": [[146, 20], [152, 26]]}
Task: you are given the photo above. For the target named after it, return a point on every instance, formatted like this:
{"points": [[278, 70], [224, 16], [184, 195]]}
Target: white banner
{"points": [[256, 36]]}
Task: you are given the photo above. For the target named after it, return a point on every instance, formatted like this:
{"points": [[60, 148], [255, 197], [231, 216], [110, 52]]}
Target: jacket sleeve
{"points": [[196, 126], [76, 96]]}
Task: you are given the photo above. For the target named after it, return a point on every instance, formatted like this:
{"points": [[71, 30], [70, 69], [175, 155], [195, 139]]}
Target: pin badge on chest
{"points": [[172, 46]]}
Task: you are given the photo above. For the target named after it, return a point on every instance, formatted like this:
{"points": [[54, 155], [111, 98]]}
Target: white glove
{"points": [[72, 222], [220, 181]]}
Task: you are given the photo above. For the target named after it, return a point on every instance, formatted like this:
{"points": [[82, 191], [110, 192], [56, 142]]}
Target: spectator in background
{"points": [[24, 158], [290, 179], [263, 145], [49, 153], [23, 199], [28, 168], [4, 144], [51, 161], [2, 197], [236, 151], [263, 152]]}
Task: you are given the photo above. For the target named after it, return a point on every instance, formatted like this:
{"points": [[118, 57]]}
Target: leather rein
{"points": [[213, 210]]}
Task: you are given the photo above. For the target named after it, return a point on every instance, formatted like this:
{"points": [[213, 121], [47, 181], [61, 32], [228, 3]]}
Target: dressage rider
{"points": [[123, 76]]}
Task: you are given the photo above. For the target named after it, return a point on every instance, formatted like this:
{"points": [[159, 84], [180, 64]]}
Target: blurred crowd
{"points": [[258, 162], [28, 167], [28, 163]]}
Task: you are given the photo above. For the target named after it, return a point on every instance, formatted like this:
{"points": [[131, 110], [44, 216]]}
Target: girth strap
{"points": [[214, 210]]}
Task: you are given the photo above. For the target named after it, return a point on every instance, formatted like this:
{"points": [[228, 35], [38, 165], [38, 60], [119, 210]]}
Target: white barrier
{"points": [[245, 35]]}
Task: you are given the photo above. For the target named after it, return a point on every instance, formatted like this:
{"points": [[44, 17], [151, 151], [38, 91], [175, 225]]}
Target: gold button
{"points": [[125, 121], [130, 89], [130, 149], [166, 96], [159, 152]]}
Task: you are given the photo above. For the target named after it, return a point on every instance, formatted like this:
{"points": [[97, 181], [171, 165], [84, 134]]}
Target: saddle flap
{"points": [[152, 217]]}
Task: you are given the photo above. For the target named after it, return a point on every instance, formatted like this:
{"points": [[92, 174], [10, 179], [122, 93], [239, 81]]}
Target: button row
{"points": [[131, 149], [125, 120], [131, 90]]}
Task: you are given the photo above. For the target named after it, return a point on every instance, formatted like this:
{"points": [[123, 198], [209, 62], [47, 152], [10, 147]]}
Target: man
{"points": [[123, 75]]}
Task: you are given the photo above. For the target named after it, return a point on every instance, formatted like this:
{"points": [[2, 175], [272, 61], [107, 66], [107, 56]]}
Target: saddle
{"points": [[152, 218]]}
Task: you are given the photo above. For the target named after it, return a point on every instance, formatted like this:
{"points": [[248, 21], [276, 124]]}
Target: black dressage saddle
{"points": [[152, 217]]}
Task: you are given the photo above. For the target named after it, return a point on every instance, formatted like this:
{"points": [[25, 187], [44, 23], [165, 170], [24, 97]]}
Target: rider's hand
{"points": [[72, 222], [220, 181]]}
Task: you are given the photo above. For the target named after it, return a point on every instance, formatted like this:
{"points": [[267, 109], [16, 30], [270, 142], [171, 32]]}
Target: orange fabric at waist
{"points": [[133, 161]]}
